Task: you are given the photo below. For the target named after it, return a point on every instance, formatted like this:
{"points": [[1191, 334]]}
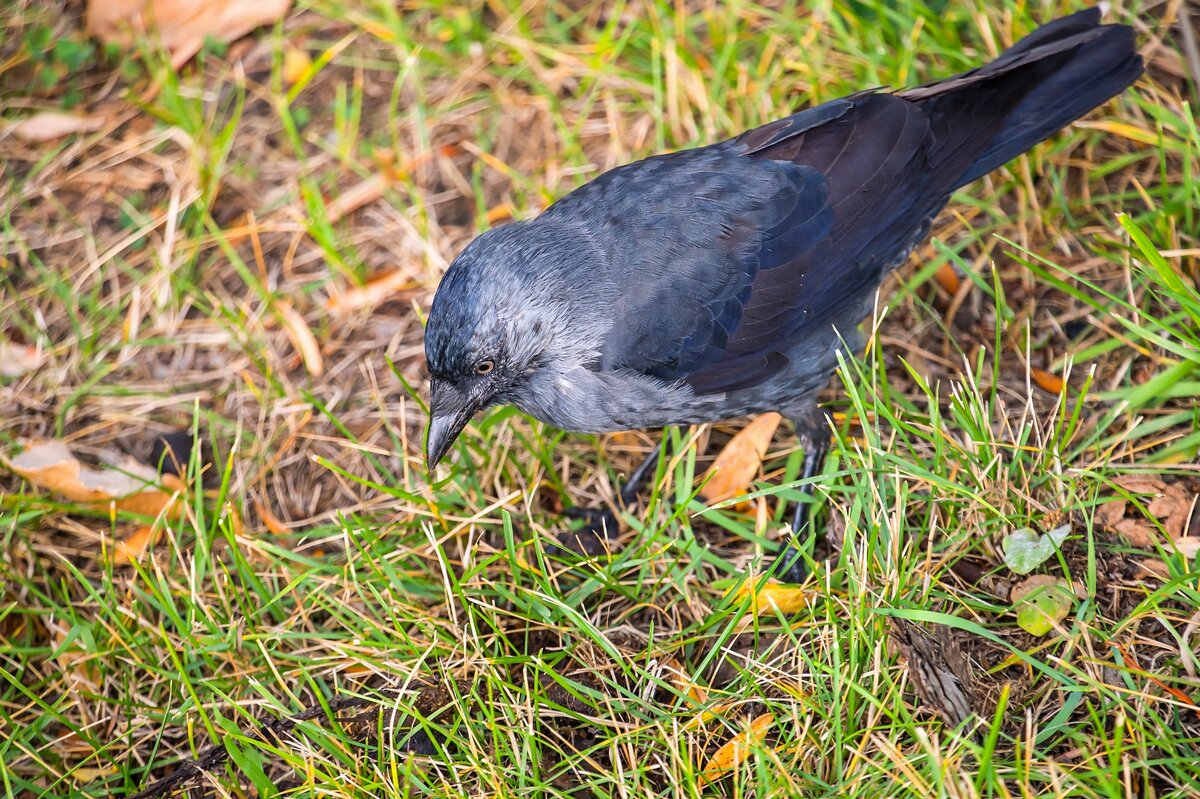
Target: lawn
{"points": [[242, 249]]}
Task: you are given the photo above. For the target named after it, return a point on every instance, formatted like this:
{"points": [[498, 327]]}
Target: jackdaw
{"points": [[720, 282]]}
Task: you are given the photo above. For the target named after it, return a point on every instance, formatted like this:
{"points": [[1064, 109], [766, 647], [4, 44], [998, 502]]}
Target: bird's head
{"points": [[491, 327]]}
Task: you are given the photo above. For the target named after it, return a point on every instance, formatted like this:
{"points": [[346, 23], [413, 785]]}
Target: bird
{"points": [[723, 281]]}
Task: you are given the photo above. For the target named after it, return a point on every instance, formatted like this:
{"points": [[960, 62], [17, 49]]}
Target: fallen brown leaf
{"points": [[1046, 381], [50, 125], [134, 487], [18, 359], [1030, 584], [370, 294], [1168, 503], [182, 25], [736, 466], [736, 750], [365, 192]]}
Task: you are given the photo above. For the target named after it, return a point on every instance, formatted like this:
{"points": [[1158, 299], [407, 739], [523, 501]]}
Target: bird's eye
{"points": [[483, 367]]}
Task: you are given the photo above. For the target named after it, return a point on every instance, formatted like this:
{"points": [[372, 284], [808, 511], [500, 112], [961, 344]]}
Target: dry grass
{"points": [[199, 260]]}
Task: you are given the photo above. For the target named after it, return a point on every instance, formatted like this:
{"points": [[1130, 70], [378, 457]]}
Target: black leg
{"points": [[789, 564], [600, 524]]}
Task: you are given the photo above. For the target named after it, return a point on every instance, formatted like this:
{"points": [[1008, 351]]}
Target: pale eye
{"points": [[483, 367]]}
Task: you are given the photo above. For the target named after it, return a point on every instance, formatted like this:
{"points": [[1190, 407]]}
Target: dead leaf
{"points": [[364, 192], [370, 294], [1041, 601], [302, 339], [947, 278], [1046, 381], [132, 487], [1138, 532], [1155, 568], [736, 466], [736, 750], [774, 596], [18, 359], [683, 683], [1188, 546], [1110, 513], [499, 213], [50, 125], [1169, 504], [73, 660], [296, 64], [1030, 584], [272, 522], [182, 25], [130, 548]]}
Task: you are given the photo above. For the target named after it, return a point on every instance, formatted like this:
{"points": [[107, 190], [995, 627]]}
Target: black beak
{"points": [[449, 412]]}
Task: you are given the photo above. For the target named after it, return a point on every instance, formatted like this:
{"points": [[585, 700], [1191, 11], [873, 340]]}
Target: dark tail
{"points": [[1048, 79]]}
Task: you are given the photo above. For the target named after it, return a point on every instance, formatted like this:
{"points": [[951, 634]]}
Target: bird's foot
{"points": [[591, 538]]}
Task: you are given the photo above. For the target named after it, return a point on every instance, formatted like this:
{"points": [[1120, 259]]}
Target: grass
{"points": [[325, 619]]}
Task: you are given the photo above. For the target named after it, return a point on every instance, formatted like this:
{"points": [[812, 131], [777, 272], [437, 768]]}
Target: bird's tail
{"points": [[1047, 80]]}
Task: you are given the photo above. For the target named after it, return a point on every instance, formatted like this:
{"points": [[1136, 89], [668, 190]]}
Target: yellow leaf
{"points": [[296, 64], [736, 466], [774, 596], [735, 752]]}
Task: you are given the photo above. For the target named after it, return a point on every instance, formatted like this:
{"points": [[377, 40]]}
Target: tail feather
{"points": [[1048, 79]]}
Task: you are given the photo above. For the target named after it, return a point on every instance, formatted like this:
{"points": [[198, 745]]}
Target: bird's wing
{"points": [[732, 254]]}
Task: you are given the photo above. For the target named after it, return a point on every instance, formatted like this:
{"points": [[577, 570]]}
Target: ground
{"points": [[245, 248]]}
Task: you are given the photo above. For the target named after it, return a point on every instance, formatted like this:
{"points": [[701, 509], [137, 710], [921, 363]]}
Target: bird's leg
{"points": [[600, 524], [789, 564]]}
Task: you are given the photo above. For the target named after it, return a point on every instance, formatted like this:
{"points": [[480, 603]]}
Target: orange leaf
{"points": [[735, 752], [947, 278], [370, 294], [134, 488], [269, 519], [500, 212], [737, 465], [682, 682], [134, 545], [1046, 381]]}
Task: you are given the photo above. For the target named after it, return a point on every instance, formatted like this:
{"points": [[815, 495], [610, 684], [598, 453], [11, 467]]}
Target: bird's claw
{"points": [[591, 538]]}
